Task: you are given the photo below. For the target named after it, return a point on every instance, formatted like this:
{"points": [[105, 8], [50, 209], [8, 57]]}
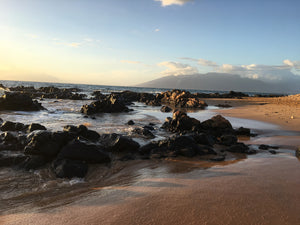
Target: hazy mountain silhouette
{"points": [[224, 82]]}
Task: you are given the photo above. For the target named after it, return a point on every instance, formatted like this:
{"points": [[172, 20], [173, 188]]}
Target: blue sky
{"points": [[122, 42]]}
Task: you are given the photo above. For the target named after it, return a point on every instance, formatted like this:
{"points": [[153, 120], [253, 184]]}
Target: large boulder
{"points": [[111, 104], [35, 126], [181, 122], [217, 122], [118, 143], [217, 126], [46, 143], [18, 102], [82, 131], [84, 151]]}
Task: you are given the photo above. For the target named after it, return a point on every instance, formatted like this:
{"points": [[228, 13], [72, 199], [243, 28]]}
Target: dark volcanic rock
{"points": [[238, 148], [243, 131], [109, 105], [46, 143], [33, 162], [36, 126], [84, 151], [182, 99], [264, 147], [11, 159], [130, 122], [82, 131], [65, 168], [297, 152], [118, 143], [166, 109], [216, 122], [228, 139], [11, 126], [183, 145], [144, 132], [181, 122], [18, 102], [204, 139]]}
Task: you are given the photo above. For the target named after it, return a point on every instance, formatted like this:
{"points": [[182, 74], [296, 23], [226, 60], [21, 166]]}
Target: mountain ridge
{"points": [[223, 82]]}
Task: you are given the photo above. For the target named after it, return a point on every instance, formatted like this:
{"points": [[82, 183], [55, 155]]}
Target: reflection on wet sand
{"points": [[254, 191], [22, 190]]}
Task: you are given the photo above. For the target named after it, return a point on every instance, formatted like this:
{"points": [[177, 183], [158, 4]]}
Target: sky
{"points": [[127, 42]]}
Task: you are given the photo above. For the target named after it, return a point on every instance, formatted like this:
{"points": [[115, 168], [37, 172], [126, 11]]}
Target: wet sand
{"points": [[261, 189], [283, 111], [258, 190]]}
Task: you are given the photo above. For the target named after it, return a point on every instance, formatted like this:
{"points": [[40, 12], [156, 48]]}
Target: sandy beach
{"points": [[283, 111], [262, 189]]}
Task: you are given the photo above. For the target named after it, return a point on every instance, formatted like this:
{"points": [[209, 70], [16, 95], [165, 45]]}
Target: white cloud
{"points": [[172, 2], [176, 69], [202, 62], [205, 62], [295, 64], [156, 30], [287, 70]]}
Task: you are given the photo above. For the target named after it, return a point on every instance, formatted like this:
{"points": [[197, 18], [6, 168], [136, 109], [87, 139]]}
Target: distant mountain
{"points": [[223, 82]]}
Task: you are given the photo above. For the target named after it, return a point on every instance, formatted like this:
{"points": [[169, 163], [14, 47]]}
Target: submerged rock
{"points": [[8, 159], [66, 168]]}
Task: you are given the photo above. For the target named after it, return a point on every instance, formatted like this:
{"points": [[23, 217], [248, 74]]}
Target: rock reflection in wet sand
{"points": [[254, 191]]}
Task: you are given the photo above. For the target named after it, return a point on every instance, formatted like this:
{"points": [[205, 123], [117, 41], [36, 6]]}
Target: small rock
{"points": [[130, 122], [166, 109]]}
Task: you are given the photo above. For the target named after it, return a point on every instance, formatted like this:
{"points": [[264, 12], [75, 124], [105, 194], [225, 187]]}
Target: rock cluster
{"points": [[68, 153], [19, 102], [50, 92], [182, 99]]}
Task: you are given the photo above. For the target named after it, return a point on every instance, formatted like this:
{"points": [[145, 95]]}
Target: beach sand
{"points": [[262, 189], [283, 111]]}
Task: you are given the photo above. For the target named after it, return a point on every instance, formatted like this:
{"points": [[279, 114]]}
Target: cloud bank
{"points": [[287, 70], [176, 69], [172, 2]]}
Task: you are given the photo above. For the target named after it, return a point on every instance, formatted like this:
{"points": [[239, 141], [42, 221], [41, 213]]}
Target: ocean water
{"points": [[62, 112]]}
